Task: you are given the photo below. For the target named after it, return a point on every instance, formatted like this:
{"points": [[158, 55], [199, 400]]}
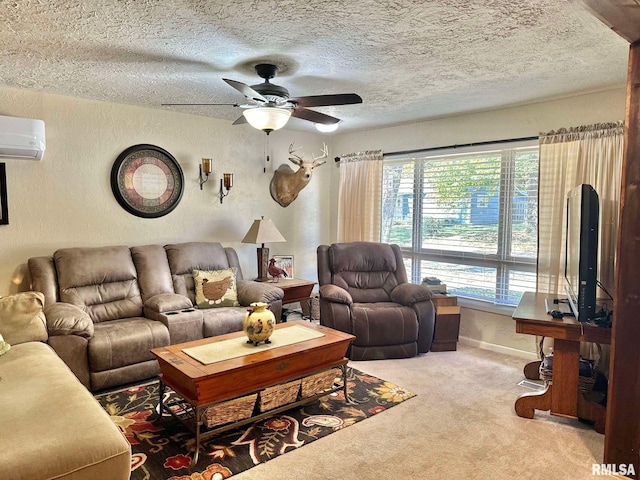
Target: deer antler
{"points": [[297, 159], [325, 154]]}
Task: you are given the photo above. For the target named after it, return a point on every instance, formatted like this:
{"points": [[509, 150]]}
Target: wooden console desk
{"points": [[562, 396]]}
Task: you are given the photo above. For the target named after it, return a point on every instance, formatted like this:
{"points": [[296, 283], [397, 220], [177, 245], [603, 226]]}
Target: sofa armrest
{"points": [[67, 319], [250, 291], [166, 302], [335, 294], [409, 294]]}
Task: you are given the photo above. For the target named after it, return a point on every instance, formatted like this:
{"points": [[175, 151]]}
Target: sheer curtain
{"points": [[588, 154], [360, 197]]}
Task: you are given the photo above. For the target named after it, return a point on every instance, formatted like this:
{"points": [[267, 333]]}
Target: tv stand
{"points": [[561, 396]]}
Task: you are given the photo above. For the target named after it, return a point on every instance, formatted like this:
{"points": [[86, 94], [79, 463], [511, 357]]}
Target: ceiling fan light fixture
{"points": [[327, 128], [267, 119]]}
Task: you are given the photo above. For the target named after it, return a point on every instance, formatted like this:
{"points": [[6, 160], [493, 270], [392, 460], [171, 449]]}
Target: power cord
{"points": [[603, 317], [603, 289]]}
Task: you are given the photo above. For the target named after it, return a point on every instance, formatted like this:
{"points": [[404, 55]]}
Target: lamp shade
{"points": [[267, 118], [263, 231]]}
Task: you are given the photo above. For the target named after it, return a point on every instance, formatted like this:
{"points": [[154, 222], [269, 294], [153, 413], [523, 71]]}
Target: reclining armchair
{"points": [[364, 292]]}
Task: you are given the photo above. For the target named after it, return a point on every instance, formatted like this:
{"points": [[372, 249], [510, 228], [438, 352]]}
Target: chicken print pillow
{"points": [[216, 288]]}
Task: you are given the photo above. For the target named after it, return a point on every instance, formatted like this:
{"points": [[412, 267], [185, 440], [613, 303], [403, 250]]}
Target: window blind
{"points": [[468, 218]]}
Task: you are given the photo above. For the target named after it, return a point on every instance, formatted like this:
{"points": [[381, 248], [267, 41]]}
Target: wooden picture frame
{"points": [[147, 181], [4, 209], [285, 262]]}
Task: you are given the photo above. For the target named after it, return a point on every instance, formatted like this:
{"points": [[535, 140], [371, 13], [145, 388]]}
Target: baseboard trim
{"points": [[514, 352]]}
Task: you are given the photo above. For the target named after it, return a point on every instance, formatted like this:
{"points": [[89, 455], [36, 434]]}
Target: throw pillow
{"points": [[22, 319], [4, 346], [216, 288]]}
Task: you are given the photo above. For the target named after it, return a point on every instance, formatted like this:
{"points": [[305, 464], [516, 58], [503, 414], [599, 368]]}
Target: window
{"points": [[468, 218]]}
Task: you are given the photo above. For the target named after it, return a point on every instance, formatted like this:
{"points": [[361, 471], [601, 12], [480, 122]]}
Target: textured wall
{"points": [[66, 199]]}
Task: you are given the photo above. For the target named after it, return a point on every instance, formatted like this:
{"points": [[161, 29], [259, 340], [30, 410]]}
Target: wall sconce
{"points": [[205, 167], [226, 182]]}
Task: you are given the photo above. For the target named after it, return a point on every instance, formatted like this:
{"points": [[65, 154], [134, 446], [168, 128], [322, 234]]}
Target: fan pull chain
{"points": [[264, 167]]}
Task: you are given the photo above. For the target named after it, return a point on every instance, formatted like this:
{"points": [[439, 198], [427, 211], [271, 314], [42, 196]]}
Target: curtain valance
{"points": [[598, 130]]}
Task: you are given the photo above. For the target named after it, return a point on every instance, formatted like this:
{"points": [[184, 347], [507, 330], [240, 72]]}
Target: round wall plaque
{"points": [[147, 181]]}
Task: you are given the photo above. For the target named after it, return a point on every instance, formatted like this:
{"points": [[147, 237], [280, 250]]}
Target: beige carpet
{"points": [[461, 426]]}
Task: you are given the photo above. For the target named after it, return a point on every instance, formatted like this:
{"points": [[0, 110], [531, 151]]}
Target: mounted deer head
{"points": [[287, 184]]}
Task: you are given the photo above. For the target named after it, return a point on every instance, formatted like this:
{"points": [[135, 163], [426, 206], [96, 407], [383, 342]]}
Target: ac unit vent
{"points": [[22, 138]]}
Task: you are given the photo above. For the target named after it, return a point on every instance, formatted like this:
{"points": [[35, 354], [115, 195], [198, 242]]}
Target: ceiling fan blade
{"points": [[241, 119], [313, 116], [198, 104], [327, 100], [246, 90]]}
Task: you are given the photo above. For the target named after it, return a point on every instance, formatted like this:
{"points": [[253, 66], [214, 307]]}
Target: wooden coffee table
{"points": [[203, 386]]}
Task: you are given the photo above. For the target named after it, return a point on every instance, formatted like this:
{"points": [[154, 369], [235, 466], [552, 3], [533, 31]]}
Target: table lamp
{"points": [[263, 231]]}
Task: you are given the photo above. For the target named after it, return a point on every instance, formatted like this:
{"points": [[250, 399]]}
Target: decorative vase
{"points": [[258, 323]]}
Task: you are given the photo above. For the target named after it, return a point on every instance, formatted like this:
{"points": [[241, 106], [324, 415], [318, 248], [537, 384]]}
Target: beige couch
{"points": [[107, 307], [50, 424]]}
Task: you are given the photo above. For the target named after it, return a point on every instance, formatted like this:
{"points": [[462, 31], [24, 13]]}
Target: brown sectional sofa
{"points": [[107, 307]]}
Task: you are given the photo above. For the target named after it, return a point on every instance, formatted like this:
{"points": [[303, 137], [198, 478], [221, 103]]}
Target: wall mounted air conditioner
{"points": [[21, 138]]}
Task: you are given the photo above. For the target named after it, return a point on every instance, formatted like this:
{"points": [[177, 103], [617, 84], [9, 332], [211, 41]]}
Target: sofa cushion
{"points": [[219, 321], [366, 270], [383, 323], [125, 342], [52, 427], [152, 266], [102, 281], [184, 258], [216, 288], [22, 318]]}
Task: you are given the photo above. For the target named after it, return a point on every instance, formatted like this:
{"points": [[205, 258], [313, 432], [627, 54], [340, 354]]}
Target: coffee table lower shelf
{"points": [[194, 416]]}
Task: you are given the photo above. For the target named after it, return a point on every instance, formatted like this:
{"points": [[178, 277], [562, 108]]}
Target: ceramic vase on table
{"points": [[258, 323]]}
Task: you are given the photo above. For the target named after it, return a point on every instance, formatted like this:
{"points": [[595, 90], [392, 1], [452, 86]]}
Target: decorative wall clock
{"points": [[147, 181]]}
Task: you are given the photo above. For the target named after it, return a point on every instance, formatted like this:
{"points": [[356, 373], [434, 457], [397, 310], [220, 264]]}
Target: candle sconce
{"points": [[225, 183], [205, 168]]}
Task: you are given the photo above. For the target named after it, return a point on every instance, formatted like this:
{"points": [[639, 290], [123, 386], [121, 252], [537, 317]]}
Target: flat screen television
{"points": [[581, 251]]}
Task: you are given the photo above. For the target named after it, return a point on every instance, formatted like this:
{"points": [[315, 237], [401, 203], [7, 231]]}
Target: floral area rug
{"points": [[164, 449]]}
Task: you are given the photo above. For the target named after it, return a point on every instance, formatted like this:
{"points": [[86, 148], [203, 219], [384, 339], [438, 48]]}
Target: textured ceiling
{"points": [[409, 60]]}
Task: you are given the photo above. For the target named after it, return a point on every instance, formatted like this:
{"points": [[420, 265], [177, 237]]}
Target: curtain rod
{"points": [[477, 144]]}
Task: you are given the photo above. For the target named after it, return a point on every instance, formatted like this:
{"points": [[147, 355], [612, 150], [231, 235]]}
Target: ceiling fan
{"points": [[269, 105]]}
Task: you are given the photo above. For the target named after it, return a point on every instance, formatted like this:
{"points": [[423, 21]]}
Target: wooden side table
{"points": [[444, 300], [295, 289], [447, 327]]}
